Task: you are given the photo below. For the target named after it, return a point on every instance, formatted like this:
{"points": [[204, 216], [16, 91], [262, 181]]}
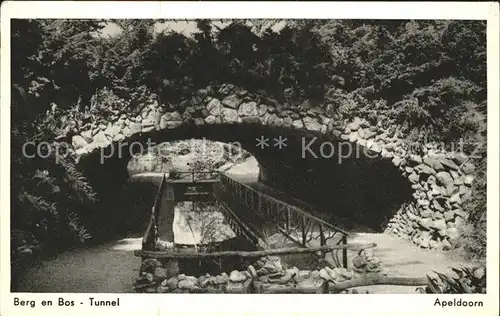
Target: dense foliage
{"points": [[461, 281], [427, 76]]}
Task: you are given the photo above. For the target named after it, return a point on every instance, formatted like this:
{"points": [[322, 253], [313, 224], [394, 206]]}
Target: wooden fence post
{"points": [[303, 228], [259, 204], [344, 252], [322, 238], [288, 220]]}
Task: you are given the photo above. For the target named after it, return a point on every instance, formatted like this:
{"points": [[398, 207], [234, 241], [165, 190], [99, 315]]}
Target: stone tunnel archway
{"points": [[379, 182], [364, 189]]}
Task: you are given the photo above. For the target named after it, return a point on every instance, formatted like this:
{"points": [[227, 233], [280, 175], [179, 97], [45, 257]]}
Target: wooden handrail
{"points": [[248, 254], [158, 195], [193, 173], [247, 230], [295, 208], [153, 220]]}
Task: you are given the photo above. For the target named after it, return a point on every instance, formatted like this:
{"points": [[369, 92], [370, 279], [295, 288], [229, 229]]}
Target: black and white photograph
{"points": [[248, 156]]}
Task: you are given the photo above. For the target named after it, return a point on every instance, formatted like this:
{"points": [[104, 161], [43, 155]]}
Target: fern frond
{"points": [[77, 227], [38, 203], [77, 181]]}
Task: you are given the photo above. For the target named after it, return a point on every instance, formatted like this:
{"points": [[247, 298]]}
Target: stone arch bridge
{"points": [[347, 168]]}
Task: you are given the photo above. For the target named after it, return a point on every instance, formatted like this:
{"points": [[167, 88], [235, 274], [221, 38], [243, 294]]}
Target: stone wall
{"points": [[440, 181], [267, 275]]}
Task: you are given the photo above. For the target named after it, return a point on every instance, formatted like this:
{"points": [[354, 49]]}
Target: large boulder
{"points": [[354, 125], [78, 142], [173, 116], [101, 140], [237, 276], [190, 283], [413, 177], [262, 109], [211, 119], [453, 233], [468, 168], [160, 273], [145, 124], [297, 124], [248, 109], [439, 224], [229, 116], [214, 107], [448, 163], [468, 179], [134, 128], [311, 124], [444, 178], [434, 163], [232, 101]]}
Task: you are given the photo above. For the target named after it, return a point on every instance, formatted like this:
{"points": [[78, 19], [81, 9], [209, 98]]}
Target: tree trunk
{"points": [[375, 280]]}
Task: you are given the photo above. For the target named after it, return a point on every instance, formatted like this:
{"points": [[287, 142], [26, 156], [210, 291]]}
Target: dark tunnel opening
{"points": [[358, 190]]}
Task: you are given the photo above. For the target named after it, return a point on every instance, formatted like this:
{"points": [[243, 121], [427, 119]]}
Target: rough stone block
{"points": [[232, 101], [239, 287]]}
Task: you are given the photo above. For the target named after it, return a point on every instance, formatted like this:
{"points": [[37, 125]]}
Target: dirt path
{"points": [[108, 268], [401, 258]]}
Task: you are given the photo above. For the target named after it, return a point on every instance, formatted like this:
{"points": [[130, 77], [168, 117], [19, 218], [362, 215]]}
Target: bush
{"points": [[464, 281], [472, 241]]}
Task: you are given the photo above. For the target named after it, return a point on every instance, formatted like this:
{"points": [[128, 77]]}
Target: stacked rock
{"points": [[180, 284], [151, 273], [336, 275], [435, 216], [269, 266], [214, 284], [236, 282], [154, 278], [239, 282], [271, 277], [366, 262]]}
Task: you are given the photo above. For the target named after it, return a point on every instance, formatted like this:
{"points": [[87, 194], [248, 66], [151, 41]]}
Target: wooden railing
{"points": [[194, 176], [298, 224], [151, 235], [234, 221], [295, 223]]}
